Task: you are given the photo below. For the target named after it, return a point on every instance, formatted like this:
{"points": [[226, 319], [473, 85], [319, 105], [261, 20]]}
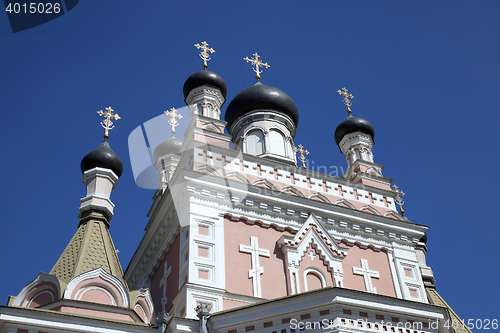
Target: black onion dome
{"points": [[423, 239], [260, 97], [207, 78], [102, 157], [353, 124], [171, 145]]}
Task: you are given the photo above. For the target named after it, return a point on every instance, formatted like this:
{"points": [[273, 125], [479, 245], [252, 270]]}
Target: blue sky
{"points": [[426, 74]]}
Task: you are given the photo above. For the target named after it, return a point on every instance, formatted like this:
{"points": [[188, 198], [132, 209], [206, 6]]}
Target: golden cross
{"points": [[204, 54], [255, 61], [107, 124], [398, 199], [173, 119], [302, 158], [346, 100]]}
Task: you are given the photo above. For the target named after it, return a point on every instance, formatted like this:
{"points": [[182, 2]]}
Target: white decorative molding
{"points": [[317, 272], [256, 271], [293, 190], [237, 175], [25, 296], [371, 209], [211, 126], [209, 169], [367, 275], [393, 214], [149, 303], [98, 273], [266, 183], [163, 283], [295, 249], [320, 196], [344, 202]]}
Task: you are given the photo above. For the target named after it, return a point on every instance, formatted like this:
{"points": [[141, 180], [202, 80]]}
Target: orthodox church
{"points": [[241, 237]]}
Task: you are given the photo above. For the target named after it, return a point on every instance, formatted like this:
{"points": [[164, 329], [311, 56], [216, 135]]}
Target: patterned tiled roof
{"points": [[91, 247]]}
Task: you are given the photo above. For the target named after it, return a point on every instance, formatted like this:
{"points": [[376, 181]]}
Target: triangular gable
{"points": [[312, 234]]}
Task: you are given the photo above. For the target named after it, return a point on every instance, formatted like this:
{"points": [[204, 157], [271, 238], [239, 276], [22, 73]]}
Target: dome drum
{"points": [[266, 135], [263, 116]]}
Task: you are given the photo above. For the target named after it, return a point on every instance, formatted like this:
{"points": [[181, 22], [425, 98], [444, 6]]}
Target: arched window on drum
{"points": [[276, 143], [255, 142]]}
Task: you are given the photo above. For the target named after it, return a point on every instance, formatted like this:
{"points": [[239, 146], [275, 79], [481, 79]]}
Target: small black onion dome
{"points": [[260, 97], [171, 145], [207, 78], [354, 124], [423, 239], [102, 157]]}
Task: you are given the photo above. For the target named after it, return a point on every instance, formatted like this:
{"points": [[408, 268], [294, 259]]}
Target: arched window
{"points": [[276, 143], [314, 279], [289, 149], [255, 142]]}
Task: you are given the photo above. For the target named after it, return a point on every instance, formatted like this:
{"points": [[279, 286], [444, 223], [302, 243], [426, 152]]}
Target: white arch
{"points": [[320, 196], [239, 176], [98, 273], [316, 271], [345, 202], [293, 190], [209, 169], [265, 182], [371, 209]]}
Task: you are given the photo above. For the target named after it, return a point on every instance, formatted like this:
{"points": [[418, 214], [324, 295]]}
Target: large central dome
{"points": [[261, 97]]}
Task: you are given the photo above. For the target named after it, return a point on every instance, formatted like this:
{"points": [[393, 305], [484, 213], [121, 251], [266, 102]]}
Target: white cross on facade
{"points": [[256, 270], [163, 283], [367, 275], [312, 255]]}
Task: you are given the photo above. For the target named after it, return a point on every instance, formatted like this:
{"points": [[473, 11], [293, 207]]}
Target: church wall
{"points": [[93, 313], [273, 280], [230, 304], [172, 260], [377, 261]]}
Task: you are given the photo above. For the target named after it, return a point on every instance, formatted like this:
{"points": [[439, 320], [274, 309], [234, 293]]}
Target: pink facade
{"points": [[238, 264], [378, 261], [171, 282], [314, 271]]}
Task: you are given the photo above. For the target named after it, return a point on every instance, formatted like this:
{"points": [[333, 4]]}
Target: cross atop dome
{"points": [[107, 124], [302, 157], [204, 54], [257, 62], [173, 119], [398, 199], [346, 100]]}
